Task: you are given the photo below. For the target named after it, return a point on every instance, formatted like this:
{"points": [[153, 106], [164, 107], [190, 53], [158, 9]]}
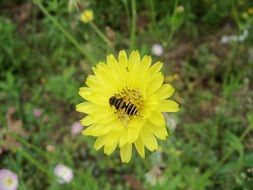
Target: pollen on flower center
{"points": [[127, 103], [8, 182]]}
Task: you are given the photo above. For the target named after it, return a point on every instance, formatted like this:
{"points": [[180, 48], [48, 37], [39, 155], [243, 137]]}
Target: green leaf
{"points": [[235, 143]]}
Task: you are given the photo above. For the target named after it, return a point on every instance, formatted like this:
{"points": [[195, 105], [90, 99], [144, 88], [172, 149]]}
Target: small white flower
{"points": [[37, 112], [224, 39], [76, 128], [243, 36], [8, 180], [64, 173], [235, 38], [157, 49]]}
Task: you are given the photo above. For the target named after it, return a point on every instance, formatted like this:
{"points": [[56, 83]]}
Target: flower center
{"points": [[127, 103], [8, 182]]}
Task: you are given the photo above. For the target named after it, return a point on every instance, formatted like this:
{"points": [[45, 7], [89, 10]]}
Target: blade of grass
{"points": [[127, 12], [22, 185], [65, 32], [173, 29], [100, 34], [27, 144], [234, 53], [33, 161], [153, 13], [133, 27]]}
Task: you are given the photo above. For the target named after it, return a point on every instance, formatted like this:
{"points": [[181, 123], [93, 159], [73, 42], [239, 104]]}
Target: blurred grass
{"points": [[46, 54]]}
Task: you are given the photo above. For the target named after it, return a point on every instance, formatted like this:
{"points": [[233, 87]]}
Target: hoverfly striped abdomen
{"points": [[119, 103]]}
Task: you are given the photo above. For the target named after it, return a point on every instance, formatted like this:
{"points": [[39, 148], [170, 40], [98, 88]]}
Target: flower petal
{"points": [[165, 91], [155, 83], [100, 141], [116, 72], [88, 120], [107, 75], [148, 139], [157, 118], [104, 117], [123, 58], [155, 68], [112, 138], [134, 58], [168, 106], [93, 83], [159, 131], [86, 107], [110, 149], [145, 63], [123, 137], [133, 129], [115, 125], [96, 130], [84, 92], [126, 153], [140, 147]]}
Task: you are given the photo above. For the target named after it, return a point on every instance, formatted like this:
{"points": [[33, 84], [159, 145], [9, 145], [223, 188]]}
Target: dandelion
{"points": [[157, 49], [125, 101], [87, 16], [76, 128], [64, 173], [8, 180]]}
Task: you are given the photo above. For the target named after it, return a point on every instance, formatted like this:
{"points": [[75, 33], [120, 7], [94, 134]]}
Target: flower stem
{"points": [[127, 12], [33, 161], [153, 13], [101, 35], [24, 154], [27, 144], [133, 28], [65, 32], [173, 29]]}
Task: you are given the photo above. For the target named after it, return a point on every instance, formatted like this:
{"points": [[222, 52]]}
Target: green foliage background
{"points": [[46, 53]]}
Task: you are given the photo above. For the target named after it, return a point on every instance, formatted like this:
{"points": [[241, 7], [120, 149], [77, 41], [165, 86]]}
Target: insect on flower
{"points": [[125, 101]]}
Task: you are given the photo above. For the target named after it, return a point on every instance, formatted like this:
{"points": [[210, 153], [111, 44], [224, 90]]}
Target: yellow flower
{"points": [[87, 16], [125, 101]]}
